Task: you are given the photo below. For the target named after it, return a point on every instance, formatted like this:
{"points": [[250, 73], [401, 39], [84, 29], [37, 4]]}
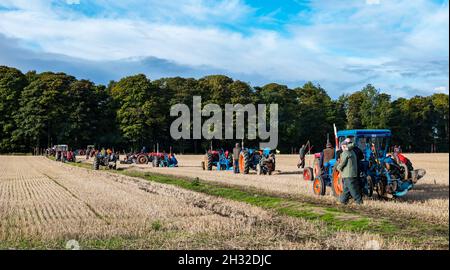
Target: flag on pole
{"points": [[336, 141]]}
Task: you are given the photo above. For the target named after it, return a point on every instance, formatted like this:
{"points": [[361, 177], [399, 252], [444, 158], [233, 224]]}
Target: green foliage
{"points": [[43, 109], [12, 82]]}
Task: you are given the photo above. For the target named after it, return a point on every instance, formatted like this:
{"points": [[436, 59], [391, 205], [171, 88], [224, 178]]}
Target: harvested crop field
{"points": [[429, 200], [44, 203]]}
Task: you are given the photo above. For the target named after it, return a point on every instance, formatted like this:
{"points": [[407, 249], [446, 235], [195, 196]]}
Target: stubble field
{"points": [[428, 200], [44, 203]]}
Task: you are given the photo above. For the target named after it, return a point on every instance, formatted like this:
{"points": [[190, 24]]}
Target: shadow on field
{"points": [[290, 172], [424, 192]]}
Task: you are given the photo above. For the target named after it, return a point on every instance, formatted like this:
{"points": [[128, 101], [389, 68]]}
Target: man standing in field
{"points": [[236, 153], [302, 153], [349, 173]]}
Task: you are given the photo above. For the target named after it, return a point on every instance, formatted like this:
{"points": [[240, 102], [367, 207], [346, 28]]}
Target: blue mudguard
{"points": [[403, 189]]}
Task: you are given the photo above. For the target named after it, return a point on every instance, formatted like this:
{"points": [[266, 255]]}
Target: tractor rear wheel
{"points": [[209, 161], [244, 165], [142, 159], [337, 185], [406, 172], [96, 163], [258, 169], [308, 174], [155, 162], [319, 186]]}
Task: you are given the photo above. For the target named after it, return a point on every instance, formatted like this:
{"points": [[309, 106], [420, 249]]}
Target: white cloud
{"points": [[341, 48], [373, 2], [442, 89]]}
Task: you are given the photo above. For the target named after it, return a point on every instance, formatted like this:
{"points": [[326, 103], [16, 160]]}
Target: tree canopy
{"points": [[43, 109]]}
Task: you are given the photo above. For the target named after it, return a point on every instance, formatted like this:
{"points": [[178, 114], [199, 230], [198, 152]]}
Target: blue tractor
{"points": [[221, 159], [378, 170], [262, 161], [164, 160]]}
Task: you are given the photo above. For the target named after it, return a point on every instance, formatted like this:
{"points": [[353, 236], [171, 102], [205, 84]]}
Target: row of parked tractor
{"points": [[156, 159], [386, 174], [102, 158], [261, 161]]}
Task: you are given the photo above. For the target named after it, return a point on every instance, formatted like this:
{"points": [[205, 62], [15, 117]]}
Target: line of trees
{"points": [[41, 110]]}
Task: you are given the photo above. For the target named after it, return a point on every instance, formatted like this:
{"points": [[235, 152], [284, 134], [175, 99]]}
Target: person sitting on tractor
{"points": [[326, 155], [302, 154], [349, 173]]}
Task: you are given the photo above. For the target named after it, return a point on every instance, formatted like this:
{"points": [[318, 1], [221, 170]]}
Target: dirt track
{"points": [[429, 199]]}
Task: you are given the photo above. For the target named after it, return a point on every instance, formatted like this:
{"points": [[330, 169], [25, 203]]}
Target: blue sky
{"points": [[399, 46]]}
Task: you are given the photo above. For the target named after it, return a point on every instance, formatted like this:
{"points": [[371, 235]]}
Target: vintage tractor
{"points": [[70, 156], [262, 161], [378, 171], [60, 151], [221, 159], [89, 152], [164, 160], [143, 158], [106, 160]]}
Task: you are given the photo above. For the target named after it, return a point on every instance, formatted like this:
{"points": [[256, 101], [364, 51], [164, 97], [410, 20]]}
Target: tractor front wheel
{"points": [[319, 186], [337, 185], [316, 167], [308, 174], [380, 187]]}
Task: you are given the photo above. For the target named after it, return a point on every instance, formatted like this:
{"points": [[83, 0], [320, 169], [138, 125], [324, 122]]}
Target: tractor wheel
{"points": [[316, 167], [380, 187], [258, 169], [96, 164], [370, 187], [406, 171], [319, 186], [308, 174], [155, 162], [142, 159], [244, 165], [337, 185], [209, 161]]}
